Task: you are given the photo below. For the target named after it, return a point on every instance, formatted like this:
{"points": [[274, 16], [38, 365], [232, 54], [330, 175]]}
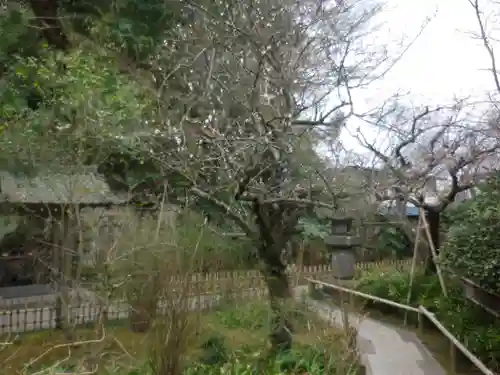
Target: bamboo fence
{"points": [[202, 290]]}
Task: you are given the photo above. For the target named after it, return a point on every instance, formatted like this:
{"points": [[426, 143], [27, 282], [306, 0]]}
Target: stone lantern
{"points": [[342, 245]]}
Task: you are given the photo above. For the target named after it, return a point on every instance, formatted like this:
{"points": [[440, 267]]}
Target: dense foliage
{"points": [[391, 242], [218, 357], [63, 111], [472, 243]]}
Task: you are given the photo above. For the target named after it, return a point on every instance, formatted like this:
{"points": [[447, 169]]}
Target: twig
{"points": [[66, 345]]}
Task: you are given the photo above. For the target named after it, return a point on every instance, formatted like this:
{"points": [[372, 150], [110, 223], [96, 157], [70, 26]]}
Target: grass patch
{"points": [[231, 339], [50, 346], [241, 331]]}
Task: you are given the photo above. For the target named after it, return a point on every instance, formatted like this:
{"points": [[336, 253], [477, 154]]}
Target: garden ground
{"points": [[235, 334]]}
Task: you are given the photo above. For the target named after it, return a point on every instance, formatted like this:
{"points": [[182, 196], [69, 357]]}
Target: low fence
{"points": [[213, 283], [422, 313], [33, 313], [21, 320]]}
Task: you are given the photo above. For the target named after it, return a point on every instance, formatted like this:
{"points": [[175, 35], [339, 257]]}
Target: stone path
{"points": [[385, 349]]}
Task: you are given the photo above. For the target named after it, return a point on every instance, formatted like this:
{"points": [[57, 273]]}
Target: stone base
{"points": [[343, 265], [342, 242], [342, 277]]}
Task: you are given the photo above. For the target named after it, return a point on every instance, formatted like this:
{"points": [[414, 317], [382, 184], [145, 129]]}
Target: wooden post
{"points": [[312, 289], [343, 309], [56, 268], [453, 358], [352, 303], [420, 318], [299, 265], [66, 268], [63, 267]]}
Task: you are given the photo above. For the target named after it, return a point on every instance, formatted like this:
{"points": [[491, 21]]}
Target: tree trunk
{"points": [[280, 297], [434, 221], [50, 25]]}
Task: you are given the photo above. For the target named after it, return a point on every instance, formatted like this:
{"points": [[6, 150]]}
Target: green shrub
{"points": [[302, 360], [391, 242], [394, 286], [473, 239], [89, 274], [312, 353], [247, 316], [214, 351], [308, 360]]}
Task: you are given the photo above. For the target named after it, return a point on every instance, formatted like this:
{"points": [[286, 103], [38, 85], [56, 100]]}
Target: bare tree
{"points": [[484, 13], [237, 87], [433, 155], [264, 76]]}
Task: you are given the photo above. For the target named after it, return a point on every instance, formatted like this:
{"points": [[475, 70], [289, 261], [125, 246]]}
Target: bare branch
{"points": [[431, 144], [486, 42]]}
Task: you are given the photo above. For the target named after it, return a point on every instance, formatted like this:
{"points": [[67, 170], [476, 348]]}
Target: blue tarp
{"points": [[411, 210]]}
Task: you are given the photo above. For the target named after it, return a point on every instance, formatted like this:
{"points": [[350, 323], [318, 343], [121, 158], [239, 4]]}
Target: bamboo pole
{"points": [[413, 265], [433, 252], [454, 341], [363, 295]]}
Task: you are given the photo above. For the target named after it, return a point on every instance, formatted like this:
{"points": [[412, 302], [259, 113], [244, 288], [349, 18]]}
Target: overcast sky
{"points": [[443, 62]]}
